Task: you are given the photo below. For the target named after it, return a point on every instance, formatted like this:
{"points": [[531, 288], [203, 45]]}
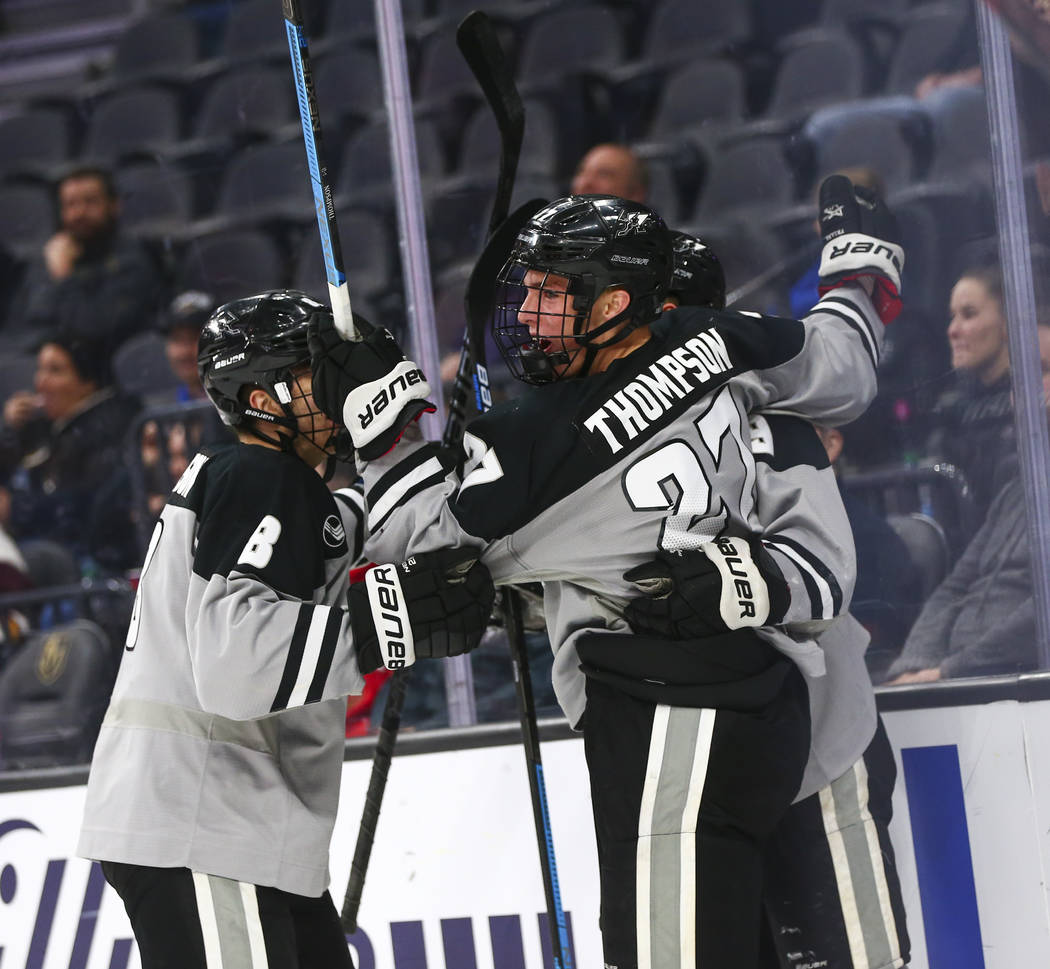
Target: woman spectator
{"points": [[973, 419], [61, 455], [981, 618]]}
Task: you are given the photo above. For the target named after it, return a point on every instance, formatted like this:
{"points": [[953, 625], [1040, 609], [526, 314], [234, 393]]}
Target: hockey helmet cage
{"points": [[699, 279], [254, 342], [595, 242]]}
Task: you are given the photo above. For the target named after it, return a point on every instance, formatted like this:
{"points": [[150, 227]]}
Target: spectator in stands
{"points": [[181, 325], [973, 418], [981, 618], [14, 577], [169, 441], [61, 455], [611, 169], [89, 279], [884, 598]]}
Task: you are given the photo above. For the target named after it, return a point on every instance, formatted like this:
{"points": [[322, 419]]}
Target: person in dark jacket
{"points": [[89, 278], [61, 455], [973, 418]]}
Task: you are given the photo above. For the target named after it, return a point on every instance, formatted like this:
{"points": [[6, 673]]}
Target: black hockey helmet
{"points": [[698, 276], [254, 342], [259, 341], [596, 242]]}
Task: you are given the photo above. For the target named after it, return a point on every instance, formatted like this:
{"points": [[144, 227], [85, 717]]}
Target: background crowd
{"points": [[174, 180]]}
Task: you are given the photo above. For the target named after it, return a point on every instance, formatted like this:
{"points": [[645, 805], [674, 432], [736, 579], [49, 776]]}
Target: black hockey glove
{"points": [[860, 239], [367, 385], [433, 605], [727, 584]]}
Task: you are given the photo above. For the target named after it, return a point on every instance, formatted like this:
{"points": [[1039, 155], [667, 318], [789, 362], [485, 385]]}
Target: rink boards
{"points": [[454, 879]]}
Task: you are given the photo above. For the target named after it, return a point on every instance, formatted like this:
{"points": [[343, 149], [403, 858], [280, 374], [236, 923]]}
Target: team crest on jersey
{"points": [[333, 532]]}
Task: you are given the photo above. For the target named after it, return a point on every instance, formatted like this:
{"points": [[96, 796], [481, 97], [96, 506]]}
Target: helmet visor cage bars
{"points": [[308, 419], [538, 316]]}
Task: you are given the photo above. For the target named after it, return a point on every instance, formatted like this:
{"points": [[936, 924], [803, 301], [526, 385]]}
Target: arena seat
{"points": [[53, 694]]}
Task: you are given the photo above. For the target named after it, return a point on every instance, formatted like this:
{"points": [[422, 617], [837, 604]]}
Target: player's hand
{"points": [[861, 240], [367, 385], [730, 583], [433, 605]]}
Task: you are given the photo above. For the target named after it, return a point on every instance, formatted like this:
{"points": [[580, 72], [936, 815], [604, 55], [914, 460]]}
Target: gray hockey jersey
{"points": [[222, 747], [574, 483], [797, 494]]}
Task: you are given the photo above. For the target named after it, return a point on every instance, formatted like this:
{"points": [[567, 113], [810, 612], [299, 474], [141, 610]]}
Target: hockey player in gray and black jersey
{"points": [[215, 779], [632, 441], [831, 896]]}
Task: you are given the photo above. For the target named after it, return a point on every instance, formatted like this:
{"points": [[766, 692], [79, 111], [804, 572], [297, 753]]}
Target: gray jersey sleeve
{"points": [[802, 519], [833, 379], [255, 652]]}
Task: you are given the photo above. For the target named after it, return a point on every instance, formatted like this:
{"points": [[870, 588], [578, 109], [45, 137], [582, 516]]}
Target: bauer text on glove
{"points": [[367, 385], [730, 583], [436, 604], [860, 241]]}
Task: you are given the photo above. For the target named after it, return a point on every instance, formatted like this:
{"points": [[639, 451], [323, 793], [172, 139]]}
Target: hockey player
{"points": [[215, 780], [632, 441], [823, 905]]}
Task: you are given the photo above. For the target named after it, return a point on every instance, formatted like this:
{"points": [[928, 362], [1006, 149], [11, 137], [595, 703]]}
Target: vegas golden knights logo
{"points": [[53, 656]]}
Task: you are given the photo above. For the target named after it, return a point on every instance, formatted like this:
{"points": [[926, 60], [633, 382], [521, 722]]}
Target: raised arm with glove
{"points": [[367, 385], [861, 241]]}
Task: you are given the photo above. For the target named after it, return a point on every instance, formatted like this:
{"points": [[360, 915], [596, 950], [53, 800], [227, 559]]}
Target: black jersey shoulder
{"points": [[245, 494], [552, 440], [792, 441]]}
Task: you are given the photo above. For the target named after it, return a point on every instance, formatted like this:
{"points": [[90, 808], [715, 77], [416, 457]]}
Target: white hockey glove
{"points": [[366, 385], [433, 605], [730, 583], [860, 239]]}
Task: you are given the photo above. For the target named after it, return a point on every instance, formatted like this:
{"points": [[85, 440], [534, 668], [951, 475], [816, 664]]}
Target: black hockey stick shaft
{"points": [[479, 44], [561, 951], [366, 833], [324, 204], [481, 49]]}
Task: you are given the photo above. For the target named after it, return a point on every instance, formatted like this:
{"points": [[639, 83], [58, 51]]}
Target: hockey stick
{"points": [[560, 949], [338, 289], [480, 46], [481, 49], [366, 832]]}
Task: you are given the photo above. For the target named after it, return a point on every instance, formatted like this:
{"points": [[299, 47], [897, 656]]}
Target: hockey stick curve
{"points": [[324, 204]]}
